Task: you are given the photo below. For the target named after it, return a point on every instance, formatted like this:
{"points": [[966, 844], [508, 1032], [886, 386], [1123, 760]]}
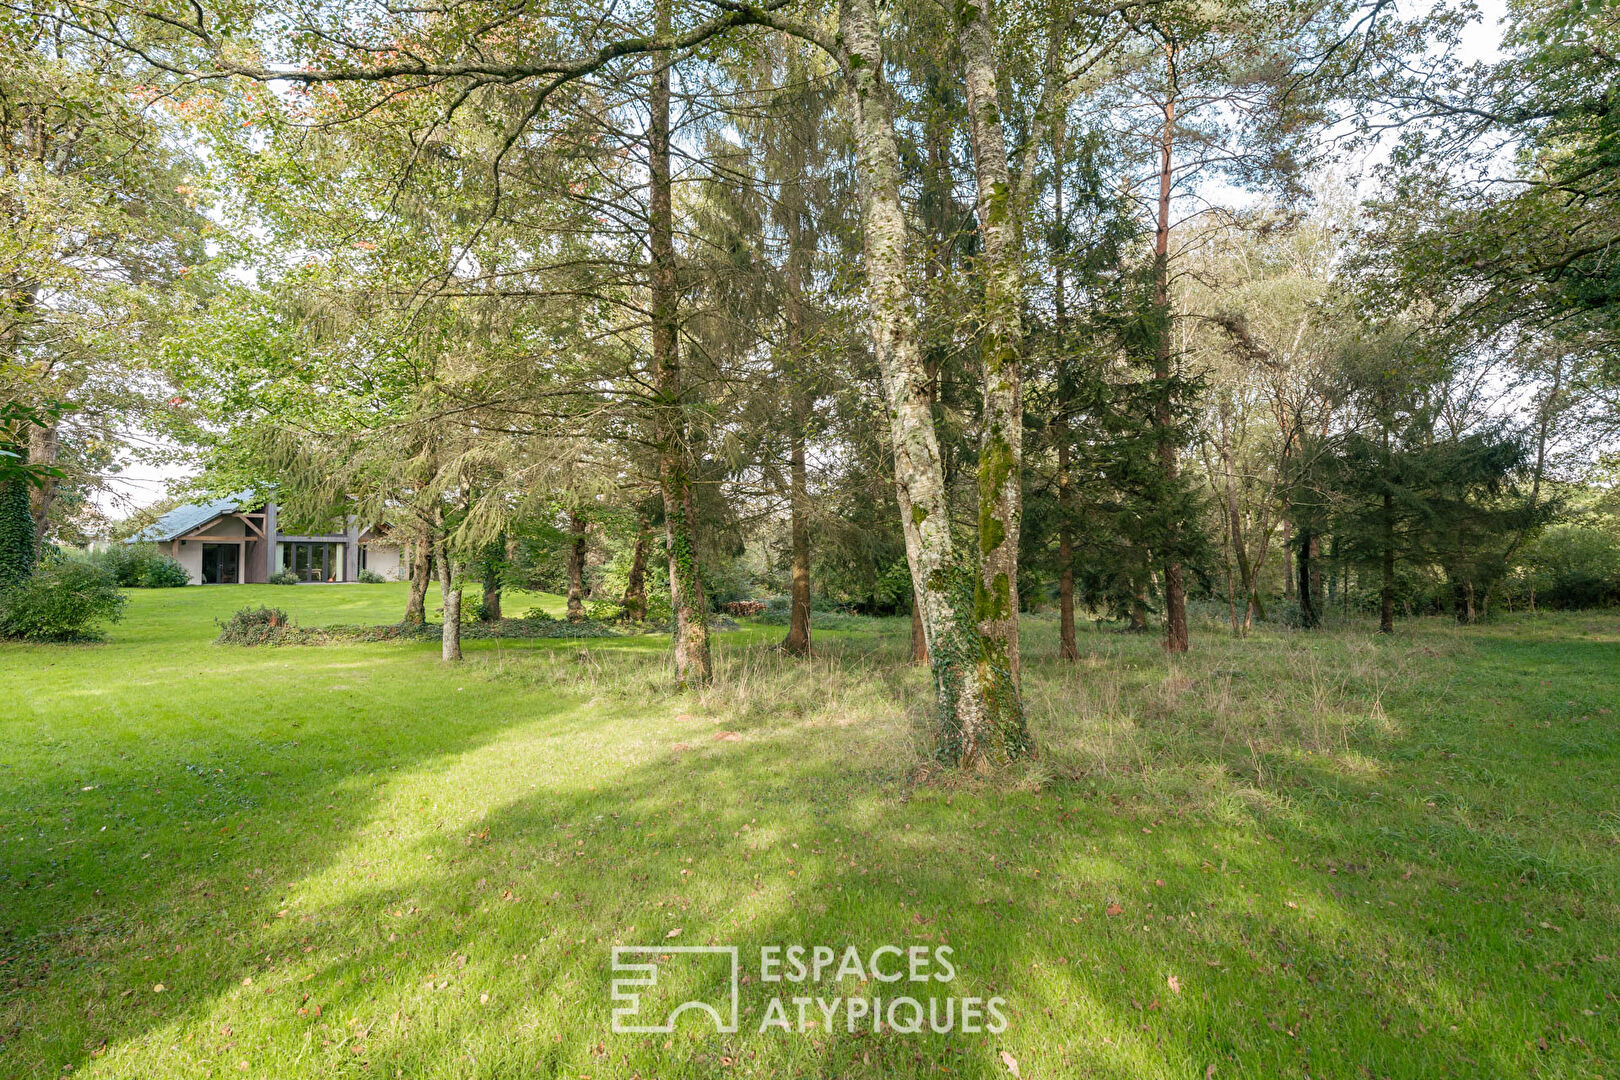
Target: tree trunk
{"points": [[1316, 577], [421, 574], [1001, 442], [690, 627], [44, 448], [450, 596], [493, 564], [1175, 599], [1068, 648], [635, 586], [1307, 605], [1288, 554], [980, 717], [797, 641], [18, 545], [576, 568], [919, 640]]}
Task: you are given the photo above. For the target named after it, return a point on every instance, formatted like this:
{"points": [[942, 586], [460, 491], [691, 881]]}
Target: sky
{"points": [[140, 483]]}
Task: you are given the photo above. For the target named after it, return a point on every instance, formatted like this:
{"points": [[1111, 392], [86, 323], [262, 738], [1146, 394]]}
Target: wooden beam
{"points": [[209, 538]]}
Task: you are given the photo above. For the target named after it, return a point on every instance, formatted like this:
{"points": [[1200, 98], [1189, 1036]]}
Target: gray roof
{"points": [[192, 516]]}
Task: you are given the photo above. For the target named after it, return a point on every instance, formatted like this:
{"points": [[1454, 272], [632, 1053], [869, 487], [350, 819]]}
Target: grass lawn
{"points": [[1323, 856]]}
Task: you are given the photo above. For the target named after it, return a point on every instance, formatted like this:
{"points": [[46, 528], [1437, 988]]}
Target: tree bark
{"points": [[919, 640], [1175, 599], [44, 448], [1001, 442], [421, 574], [690, 627], [635, 586], [576, 567], [493, 562], [1068, 647], [980, 716], [797, 641], [1308, 617], [450, 597]]}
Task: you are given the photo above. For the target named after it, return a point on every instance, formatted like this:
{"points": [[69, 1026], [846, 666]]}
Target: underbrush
{"points": [[272, 626]]}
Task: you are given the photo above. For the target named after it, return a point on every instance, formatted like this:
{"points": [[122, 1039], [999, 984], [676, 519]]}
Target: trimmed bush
{"points": [[284, 577], [60, 602], [370, 577]]}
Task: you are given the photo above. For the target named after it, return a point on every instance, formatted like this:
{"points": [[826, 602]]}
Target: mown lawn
{"points": [[1327, 856]]}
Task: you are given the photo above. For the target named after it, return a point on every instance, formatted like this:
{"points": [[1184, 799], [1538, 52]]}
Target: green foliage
{"points": [[370, 577], [283, 577], [17, 539], [1576, 565], [253, 626], [140, 566], [62, 601]]}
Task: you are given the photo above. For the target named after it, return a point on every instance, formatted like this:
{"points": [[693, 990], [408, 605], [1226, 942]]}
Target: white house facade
{"points": [[237, 540]]}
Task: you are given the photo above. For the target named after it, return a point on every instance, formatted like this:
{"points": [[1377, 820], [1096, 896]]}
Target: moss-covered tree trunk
{"points": [[973, 699], [1001, 441], [17, 537], [493, 565], [634, 600], [421, 574], [576, 567], [689, 618]]}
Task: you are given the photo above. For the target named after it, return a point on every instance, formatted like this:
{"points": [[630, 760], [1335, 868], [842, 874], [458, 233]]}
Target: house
{"points": [[238, 540]]}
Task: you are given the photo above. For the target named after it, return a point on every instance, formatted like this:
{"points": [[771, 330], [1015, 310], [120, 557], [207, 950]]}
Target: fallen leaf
{"points": [[727, 736], [1114, 909], [1011, 1062], [1175, 984], [159, 988], [674, 933]]}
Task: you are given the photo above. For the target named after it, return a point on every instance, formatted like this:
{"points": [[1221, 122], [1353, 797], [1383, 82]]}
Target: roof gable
{"points": [[193, 516]]}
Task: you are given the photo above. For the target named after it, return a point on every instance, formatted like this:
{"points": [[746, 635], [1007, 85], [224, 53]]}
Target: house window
{"points": [[313, 561]]}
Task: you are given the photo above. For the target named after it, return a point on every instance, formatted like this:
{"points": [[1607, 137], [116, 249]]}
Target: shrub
{"points": [[60, 602], [370, 577], [284, 577], [1576, 566], [742, 608], [140, 566], [254, 626], [163, 573], [603, 611]]}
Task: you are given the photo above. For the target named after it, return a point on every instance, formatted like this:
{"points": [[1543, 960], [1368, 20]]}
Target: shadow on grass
{"points": [[440, 898]]}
